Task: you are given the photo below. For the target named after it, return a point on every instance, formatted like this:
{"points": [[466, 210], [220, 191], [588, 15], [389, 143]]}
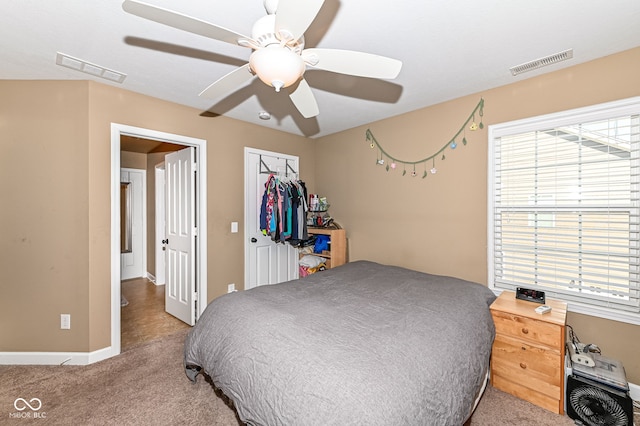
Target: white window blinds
{"points": [[564, 206]]}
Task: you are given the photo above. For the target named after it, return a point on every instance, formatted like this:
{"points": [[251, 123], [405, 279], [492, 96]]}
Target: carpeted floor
{"points": [[146, 385]]}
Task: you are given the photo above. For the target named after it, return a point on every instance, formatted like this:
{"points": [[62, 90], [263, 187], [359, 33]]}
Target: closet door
{"points": [[266, 262]]}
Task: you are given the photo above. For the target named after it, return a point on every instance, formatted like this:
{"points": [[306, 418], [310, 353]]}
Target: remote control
{"points": [[543, 309]]}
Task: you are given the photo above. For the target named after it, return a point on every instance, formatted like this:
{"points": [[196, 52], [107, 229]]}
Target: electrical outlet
{"points": [[231, 288], [65, 321]]}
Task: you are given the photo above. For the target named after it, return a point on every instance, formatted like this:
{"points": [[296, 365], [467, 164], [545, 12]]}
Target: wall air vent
{"points": [[542, 62], [89, 68]]}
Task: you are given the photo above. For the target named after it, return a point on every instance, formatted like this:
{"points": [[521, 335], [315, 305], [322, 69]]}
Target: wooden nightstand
{"points": [[527, 359]]}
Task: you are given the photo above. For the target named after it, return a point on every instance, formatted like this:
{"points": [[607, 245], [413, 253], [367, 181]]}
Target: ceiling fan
{"points": [[279, 58]]}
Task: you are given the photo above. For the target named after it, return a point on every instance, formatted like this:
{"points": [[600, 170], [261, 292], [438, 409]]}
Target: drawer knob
{"points": [[525, 331], [524, 348], [523, 365]]}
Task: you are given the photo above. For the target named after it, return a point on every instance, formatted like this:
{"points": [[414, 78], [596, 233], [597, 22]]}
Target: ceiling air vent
{"points": [[89, 68], [542, 62]]}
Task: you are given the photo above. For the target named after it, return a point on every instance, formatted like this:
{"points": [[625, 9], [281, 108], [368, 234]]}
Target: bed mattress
{"points": [[363, 343]]}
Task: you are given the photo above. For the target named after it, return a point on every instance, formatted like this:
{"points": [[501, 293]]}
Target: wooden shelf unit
{"points": [[527, 359], [338, 254]]}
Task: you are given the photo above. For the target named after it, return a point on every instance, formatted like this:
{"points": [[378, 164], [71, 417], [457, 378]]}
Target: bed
{"points": [[360, 344]]}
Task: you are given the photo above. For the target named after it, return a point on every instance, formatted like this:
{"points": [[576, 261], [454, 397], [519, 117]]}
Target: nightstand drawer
{"points": [[523, 392], [544, 333], [532, 366]]}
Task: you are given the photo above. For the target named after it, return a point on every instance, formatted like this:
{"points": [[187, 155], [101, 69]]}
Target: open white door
{"points": [[180, 177], [266, 262]]}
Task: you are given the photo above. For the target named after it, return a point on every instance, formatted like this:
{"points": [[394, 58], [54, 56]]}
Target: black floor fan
{"points": [[594, 404]]}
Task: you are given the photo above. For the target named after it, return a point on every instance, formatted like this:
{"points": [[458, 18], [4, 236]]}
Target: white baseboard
{"points": [[151, 278], [55, 358]]}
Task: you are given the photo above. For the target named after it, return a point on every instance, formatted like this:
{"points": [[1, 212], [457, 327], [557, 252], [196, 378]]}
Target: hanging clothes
{"points": [[283, 209]]}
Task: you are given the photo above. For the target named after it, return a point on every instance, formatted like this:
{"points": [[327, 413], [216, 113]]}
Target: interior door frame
{"points": [[160, 223], [118, 130]]}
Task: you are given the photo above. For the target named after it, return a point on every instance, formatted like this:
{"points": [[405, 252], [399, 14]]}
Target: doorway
{"points": [[117, 132]]}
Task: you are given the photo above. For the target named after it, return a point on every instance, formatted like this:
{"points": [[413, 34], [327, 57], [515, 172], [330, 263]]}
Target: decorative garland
{"points": [[393, 162]]}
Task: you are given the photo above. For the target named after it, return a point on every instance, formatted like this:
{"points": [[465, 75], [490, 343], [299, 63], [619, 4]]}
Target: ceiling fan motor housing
{"points": [[264, 32]]}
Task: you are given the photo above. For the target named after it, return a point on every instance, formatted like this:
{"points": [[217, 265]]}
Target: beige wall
{"points": [[133, 160], [55, 165], [44, 215], [438, 224], [55, 136]]}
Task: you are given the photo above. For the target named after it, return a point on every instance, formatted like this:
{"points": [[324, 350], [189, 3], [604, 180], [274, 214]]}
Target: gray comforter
{"points": [[361, 344]]}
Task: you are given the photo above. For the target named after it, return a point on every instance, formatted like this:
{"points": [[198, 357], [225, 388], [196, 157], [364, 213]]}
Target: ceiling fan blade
{"points": [[294, 16], [228, 82], [353, 63], [304, 100], [182, 22]]}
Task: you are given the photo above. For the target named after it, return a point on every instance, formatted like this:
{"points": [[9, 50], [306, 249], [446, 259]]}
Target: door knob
{"points": [[254, 240], [165, 241]]}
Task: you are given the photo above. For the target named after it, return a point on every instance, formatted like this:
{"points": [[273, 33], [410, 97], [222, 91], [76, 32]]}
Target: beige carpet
{"points": [[146, 385]]}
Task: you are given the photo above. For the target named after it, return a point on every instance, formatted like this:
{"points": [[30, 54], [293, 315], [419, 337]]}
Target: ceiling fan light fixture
{"points": [[277, 66]]}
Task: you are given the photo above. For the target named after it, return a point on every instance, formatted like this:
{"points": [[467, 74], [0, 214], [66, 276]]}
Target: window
{"points": [[564, 208]]}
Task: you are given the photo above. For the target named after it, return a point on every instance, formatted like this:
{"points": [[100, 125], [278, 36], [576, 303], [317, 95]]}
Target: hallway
{"points": [[144, 317]]}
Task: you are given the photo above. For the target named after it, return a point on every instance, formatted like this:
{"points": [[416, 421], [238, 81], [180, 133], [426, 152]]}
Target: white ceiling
{"points": [[449, 49]]}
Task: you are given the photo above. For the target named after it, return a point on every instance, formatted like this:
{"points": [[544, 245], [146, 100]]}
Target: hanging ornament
{"points": [[473, 127], [451, 144]]}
